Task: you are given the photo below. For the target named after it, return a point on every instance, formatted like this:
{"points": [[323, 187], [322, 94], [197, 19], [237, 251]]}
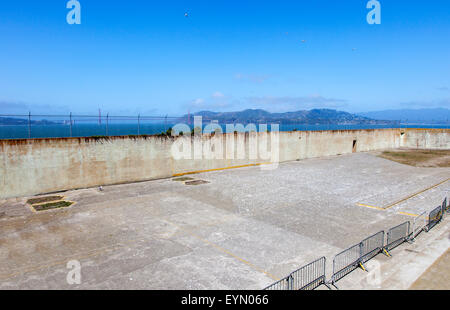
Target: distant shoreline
{"points": [[8, 132]]}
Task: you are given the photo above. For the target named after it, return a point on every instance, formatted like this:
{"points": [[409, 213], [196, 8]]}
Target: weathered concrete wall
{"points": [[35, 166], [426, 138]]}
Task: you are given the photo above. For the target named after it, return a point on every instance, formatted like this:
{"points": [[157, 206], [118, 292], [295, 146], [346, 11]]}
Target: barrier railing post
{"points": [[360, 263]]}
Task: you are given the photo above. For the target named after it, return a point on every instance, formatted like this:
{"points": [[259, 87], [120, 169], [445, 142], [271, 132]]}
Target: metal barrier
{"points": [[355, 256], [434, 217], [397, 235], [420, 224], [308, 277], [371, 246], [345, 262], [281, 285], [313, 275]]}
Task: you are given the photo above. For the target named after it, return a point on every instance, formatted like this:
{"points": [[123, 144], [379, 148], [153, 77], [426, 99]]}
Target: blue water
{"points": [[88, 130]]}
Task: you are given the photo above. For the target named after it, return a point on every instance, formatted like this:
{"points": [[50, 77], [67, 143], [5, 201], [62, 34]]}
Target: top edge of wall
{"points": [[144, 137], [428, 129], [101, 139]]}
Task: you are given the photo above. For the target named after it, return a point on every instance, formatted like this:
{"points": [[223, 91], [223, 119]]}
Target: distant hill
{"points": [[315, 116], [437, 115]]}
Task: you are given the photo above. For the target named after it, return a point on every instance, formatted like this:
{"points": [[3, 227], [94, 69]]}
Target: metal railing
{"points": [[345, 262], [434, 217], [313, 275], [371, 246], [420, 224], [397, 235], [308, 277], [356, 255], [281, 285]]}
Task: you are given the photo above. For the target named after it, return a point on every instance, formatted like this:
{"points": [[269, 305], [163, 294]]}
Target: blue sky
{"points": [[130, 57]]}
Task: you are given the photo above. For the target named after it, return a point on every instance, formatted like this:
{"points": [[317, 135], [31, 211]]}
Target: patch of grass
{"points": [[53, 205], [34, 201]]}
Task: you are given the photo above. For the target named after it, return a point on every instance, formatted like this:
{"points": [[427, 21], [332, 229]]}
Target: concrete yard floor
{"points": [[437, 277], [244, 229]]}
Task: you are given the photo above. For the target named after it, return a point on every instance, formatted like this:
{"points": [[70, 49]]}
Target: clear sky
{"points": [[147, 57]]}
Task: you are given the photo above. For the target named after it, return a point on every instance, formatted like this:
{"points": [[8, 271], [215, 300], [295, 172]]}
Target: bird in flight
{"points": [[186, 14]]}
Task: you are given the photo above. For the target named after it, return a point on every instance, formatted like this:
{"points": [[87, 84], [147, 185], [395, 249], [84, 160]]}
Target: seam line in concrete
{"points": [[404, 199], [369, 206], [413, 195], [219, 169], [408, 214]]}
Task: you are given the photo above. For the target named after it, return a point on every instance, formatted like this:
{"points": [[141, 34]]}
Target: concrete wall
{"points": [[35, 166], [426, 138]]}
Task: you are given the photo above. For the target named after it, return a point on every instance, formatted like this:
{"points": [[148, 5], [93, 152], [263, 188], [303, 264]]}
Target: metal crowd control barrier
{"points": [[308, 277], [281, 285], [345, 262], [397, 235], [371, 246], [355, 256], [312, 275], [420, 224], [434, 217]]}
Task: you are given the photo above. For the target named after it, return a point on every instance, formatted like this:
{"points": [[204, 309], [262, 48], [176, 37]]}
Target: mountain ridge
{"points": [[314, 116]]}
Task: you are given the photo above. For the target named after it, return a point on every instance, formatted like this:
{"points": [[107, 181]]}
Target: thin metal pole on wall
{"points": [[70, 120], [29, 125], [139, 124], [165, 124], [107, 122]]}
